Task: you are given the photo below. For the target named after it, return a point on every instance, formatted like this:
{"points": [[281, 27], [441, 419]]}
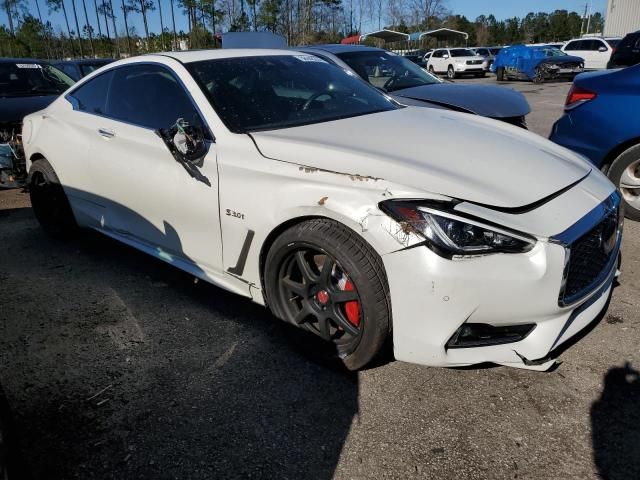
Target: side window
{"points": [[149, 96], [437, 54], [572, 46], [595, 45], [92, 96]]}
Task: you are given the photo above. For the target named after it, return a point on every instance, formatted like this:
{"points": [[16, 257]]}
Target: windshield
{"points": [[31, 79], [387, 71], [613, 42], [462, 52], [273, 92], [495, 51]]}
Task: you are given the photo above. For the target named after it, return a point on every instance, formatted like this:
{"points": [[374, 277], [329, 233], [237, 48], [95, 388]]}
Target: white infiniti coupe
{"points": [[282, 178]]}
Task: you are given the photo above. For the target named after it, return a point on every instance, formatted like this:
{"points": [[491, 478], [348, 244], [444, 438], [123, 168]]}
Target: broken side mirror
{"points": [[188, 145], [186, 142]]}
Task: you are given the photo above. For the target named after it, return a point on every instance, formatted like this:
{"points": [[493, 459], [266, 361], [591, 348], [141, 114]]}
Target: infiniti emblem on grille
{"points": [[608, 236]]}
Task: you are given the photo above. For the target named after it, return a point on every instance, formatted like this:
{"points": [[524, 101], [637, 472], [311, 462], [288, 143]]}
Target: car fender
{"points": [[283, 193]]}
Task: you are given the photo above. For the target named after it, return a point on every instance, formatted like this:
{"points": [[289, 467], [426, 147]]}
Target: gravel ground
{"points": [[118, 366]]}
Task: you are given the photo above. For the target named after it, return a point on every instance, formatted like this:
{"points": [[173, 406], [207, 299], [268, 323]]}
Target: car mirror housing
{"points": [[185, 142]]}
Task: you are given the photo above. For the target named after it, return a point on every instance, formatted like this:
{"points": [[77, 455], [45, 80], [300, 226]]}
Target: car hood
{"points": [[486, 100], [464, 59], [14, 109], [437, 151]]}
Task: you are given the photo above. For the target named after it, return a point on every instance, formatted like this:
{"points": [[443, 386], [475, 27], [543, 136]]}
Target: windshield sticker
{"points": [[310, 58], [28, 65]]}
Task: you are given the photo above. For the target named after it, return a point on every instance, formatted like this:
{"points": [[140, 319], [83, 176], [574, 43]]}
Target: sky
{"points": [[501, 9]]}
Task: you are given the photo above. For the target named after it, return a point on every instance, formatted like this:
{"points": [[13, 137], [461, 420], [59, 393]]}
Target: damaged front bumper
{"points": [[510, 300]]}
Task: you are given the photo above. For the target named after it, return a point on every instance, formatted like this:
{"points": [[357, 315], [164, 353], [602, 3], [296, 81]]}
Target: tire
{"points": [[538, 77], [49, 202], [347, 304], [625, 170], [451, 73], [431, 70], [500, 74]]}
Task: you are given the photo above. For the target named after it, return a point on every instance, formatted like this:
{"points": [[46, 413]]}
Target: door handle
{"points": [[106, 133]]}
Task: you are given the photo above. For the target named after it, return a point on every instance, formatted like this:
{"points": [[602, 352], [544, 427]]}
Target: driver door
{"points": [[152, 201]]}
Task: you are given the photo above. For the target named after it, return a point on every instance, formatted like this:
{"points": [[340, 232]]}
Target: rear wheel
{"points": [[49, 202], [451, 73], [323, 277], [625, 174]]}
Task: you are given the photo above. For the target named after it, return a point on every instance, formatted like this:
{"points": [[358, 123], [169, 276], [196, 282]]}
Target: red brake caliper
{"points": [[352, 308]]}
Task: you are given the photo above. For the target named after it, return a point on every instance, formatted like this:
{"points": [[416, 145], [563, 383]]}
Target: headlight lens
{"points": [[450, 234]]}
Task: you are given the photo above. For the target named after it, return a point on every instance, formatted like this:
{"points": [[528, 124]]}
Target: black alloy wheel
{"points": [[317, 293], [323, 277]]}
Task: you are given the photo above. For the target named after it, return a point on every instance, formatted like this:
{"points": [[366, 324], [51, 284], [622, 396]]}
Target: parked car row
{"points": [[367, 234], [409, 84]]}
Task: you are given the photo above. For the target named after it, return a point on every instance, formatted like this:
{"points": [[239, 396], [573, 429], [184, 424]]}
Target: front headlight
{"points": [[450, 234]]}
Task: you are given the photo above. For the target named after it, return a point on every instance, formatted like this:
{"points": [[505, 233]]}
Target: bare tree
{"points": [[161, 24], [57, 5], [95, 5], [173, 21], [75, 16], [88, 28], [126, 26], [424, 10]]}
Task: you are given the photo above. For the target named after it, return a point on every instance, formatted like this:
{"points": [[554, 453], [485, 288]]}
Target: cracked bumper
{"points": [[432, 297]]}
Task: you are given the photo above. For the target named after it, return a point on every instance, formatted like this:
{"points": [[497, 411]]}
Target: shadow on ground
{"points": [[119, 366], [615, 423]]}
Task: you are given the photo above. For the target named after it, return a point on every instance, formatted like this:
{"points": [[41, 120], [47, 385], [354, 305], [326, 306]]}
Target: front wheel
{"points": [[500, 74], [451, 73], [625, 174], [49, 202], [538, 76], [323, 277], [431, 70]]}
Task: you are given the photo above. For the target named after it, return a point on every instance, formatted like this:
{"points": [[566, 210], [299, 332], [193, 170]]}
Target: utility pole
{"points": [[589, 18], [586, 5]]}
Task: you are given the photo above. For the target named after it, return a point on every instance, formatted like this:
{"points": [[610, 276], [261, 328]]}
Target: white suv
{"points": [[457, 61], [596, 51]]}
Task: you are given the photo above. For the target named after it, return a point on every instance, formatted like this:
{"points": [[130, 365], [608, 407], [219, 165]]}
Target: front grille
{"points": [[568, 66], [474, 62], [591, 258]]}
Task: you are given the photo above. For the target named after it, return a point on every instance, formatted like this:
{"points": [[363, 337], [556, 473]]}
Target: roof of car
{"points": [[83, 61], [338, 48], [200, 55], [22, 60]]}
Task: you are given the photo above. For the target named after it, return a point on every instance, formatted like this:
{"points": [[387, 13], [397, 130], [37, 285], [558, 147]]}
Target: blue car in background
{"points": [[602, 122], [538, 64]]}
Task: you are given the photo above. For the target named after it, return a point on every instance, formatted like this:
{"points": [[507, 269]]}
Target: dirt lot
{"points": [[118, 366]]}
